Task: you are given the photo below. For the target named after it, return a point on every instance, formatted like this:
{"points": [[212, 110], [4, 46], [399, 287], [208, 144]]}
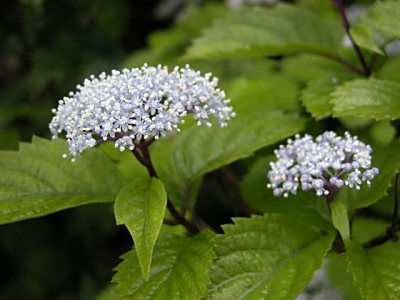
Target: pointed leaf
{"points": [[140, 206], [260, 31], [369, 98], [376, 271], [340, 219], [180, 270], [267, 257], [37, 180], [378, 27]]}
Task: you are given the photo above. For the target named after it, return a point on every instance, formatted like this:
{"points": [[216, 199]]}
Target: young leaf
{"points": [[180, 270], [267, 257], [37, 180], [258, 31], [340, 219], [376, 271], [387, 169], [378, 27], [140, 206], [370, 98]]}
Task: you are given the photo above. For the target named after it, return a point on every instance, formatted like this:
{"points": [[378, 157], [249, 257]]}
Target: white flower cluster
{"points": [[323, 166], [128, 106]]}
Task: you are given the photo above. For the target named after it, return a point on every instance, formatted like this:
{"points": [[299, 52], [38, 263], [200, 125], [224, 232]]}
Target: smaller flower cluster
{"points": [[137, 104], [323, 166]]}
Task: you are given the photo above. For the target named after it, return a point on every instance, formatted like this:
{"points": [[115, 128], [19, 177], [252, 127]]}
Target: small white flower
{"points": [[323, 166], [139, 103]]}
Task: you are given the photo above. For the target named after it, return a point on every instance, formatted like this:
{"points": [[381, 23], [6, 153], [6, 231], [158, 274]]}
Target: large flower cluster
{"points": [[323, 166], [136, 104]]}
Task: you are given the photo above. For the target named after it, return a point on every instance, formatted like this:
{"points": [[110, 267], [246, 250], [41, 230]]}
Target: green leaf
{"points": [[140, 206], [257, 31], [340, 277], [365, 38], [199, 150], [265, 90], [378, 27], [390, 69], [340, 219], [267, 257], [370, 98], [307, 67], [180, 270], [316, 96], [387, 169], [37, 180], [364, 229], [376, 271]]}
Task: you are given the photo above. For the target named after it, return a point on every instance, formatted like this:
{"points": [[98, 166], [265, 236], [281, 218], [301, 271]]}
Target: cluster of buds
{"points": [[131, 105], [323, 165]]}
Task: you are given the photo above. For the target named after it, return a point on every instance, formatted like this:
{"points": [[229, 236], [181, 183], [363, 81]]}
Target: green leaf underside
{"points": [[316, 96], [378, 27], [258, 32], [370, 98], [266, 257], [387, 169], [37, 180], [179, 269], [376, 271], [199, 150], [140, 206]]}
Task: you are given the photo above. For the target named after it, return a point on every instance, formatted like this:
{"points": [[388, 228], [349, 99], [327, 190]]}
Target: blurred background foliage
{"points": [[47, 47]]}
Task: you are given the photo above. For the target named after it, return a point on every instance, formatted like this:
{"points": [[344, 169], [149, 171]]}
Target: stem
{"points": [[142, 154], [341, 61], [340, 7], [390, 233]]}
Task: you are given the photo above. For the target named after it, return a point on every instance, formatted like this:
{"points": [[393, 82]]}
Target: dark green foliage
{"points": [[286, 70]]}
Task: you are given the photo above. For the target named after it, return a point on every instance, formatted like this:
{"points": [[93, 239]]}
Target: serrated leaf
{"points": [[180, 270], [369, 98], [37, 180], [267, 257], [199, 150], [316, 96], [140, 206], [376, 271], [387, 169], [259, 31], [378, 27]]}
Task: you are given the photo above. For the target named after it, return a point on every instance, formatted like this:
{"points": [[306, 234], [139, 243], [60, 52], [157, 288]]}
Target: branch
{"points": [[340, 7]]}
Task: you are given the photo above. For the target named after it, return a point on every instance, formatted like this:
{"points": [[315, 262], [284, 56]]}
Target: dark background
{"points": [[46, 48]]}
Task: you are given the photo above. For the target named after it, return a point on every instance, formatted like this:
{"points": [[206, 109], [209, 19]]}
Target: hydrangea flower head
{"points": [[323, 165], [131, 105]]}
